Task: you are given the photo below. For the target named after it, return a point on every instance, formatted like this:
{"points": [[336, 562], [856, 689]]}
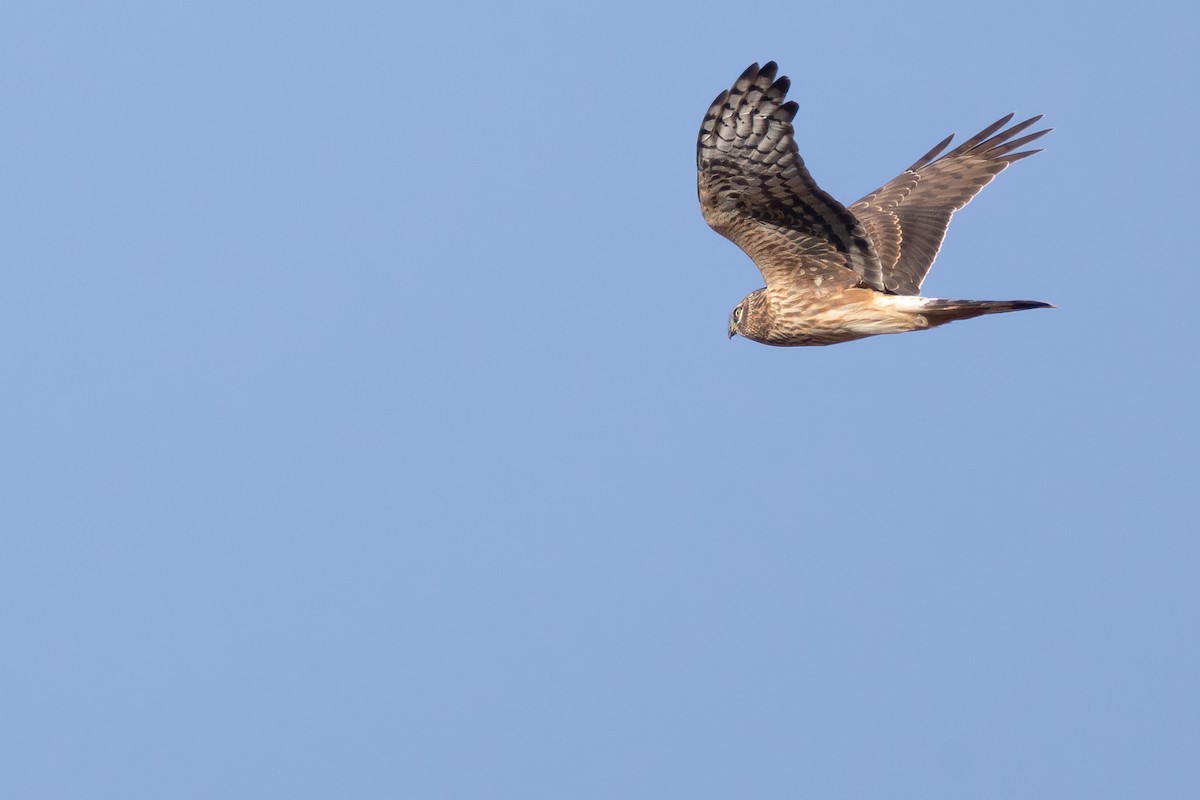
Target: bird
{"points": [[837, 273]]}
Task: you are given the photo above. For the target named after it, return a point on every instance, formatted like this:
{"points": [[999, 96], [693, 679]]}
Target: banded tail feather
{"points": [[940, 312]]}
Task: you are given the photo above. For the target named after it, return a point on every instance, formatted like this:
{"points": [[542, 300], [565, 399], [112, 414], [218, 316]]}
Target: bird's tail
{"points": [[940, 312]]}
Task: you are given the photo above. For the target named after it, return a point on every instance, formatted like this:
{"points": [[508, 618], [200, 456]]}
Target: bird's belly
{"points": [[844, 317]]}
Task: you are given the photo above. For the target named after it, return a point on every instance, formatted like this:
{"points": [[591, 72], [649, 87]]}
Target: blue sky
{"points": [[370, 428]]}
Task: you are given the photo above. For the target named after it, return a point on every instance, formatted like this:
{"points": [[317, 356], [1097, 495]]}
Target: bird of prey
{"points": [[837, 273]]}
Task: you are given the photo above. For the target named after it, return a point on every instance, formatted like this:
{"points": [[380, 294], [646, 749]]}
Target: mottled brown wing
{"points": [[755, 190], [907, 217]]}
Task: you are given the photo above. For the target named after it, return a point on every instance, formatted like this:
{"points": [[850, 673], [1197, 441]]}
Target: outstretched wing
{"points": [[755, 190], [907, 217]]}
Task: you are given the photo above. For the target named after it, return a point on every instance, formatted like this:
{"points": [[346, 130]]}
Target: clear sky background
{"points": [[369, 428]]}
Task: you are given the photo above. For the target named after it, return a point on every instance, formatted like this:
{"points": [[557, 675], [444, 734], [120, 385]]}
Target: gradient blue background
{"points": [[369, 427]]}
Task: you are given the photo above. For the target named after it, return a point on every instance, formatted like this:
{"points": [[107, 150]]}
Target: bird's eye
{"points": [[737, 314]]}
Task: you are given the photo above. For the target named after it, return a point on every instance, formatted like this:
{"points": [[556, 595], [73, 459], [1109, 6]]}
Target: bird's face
{"points": [[735, 318]]}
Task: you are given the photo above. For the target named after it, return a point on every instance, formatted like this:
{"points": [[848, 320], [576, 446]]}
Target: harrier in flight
{"points": [[835, 274]]}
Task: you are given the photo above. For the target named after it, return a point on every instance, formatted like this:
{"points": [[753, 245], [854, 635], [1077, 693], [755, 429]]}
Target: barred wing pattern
{"points": [[755, 190], [907, 217]]}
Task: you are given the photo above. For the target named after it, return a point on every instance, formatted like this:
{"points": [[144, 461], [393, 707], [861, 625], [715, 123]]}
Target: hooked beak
{"points": [[732, 331]]}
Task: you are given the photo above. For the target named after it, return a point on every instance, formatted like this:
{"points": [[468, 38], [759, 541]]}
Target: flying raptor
{"points": [[837, 273]]}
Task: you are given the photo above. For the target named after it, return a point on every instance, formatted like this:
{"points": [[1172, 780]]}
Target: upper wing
{"points": [[907, 217], [755, 190]]}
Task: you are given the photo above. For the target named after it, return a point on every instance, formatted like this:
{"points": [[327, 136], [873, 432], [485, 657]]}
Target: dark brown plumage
{"points": [[834, 273]]}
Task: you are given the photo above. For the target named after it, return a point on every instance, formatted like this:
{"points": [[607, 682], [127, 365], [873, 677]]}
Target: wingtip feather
{"points": [[932, 154]]}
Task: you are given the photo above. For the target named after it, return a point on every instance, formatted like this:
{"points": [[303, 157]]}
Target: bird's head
{"points": [[735, 318], [749, 315]]}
